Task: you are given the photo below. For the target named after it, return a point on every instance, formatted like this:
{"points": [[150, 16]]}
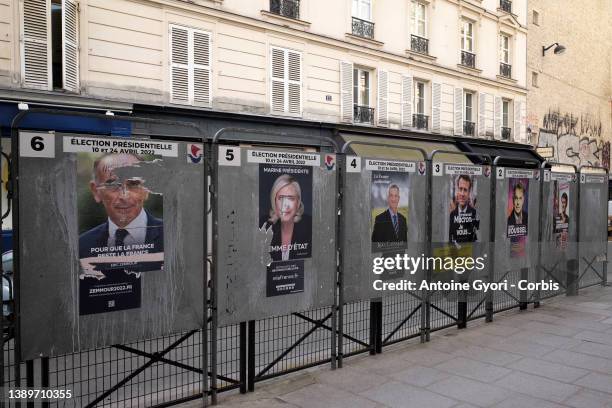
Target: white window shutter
{"points": [[519, 130], [278, 79], [458, 119], [346, 91], [36, 44], [201, 68], [294, 79], [482, 105], [383, 96], [436, 102], [70, 43], [497, 118], [407, 86], [523, 123], [180, 75]]}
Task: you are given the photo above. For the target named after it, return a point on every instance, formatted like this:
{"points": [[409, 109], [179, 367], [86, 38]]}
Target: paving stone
{"points": [[351, 379], [550, 370], [589, 399], [419, 376], [474, 392], [426, 356], [580, 360], [394, 394], [551, 329], [522, 347], [497, 330], [597, 381], [537, 387], [545, 339], [324, 396], [594, 349], [523, 401], [595, 337], [488, 355], [475, 370]]}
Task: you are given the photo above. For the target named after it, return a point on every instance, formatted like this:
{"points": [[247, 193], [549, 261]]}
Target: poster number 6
{"points": [[229, 156], [33, 144]]}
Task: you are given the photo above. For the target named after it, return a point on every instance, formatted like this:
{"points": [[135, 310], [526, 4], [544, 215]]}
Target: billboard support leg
{"points": [[572, 277], [243, 357], [523, 294], [251, 358]]}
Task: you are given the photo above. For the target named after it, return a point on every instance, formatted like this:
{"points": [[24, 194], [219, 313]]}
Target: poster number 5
{"points": [[36, 144], [229, 156], [437, 169]]}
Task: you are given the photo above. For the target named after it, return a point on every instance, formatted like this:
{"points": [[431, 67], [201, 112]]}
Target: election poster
{"points": [[464, 220], [389, 210], [285, 212], [517, 213], [120, 220], [561, 202]]}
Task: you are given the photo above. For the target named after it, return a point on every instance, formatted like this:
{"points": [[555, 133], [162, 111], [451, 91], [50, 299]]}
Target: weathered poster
{"points": [[389, 210], [120, 221], [285, 211], [517, 228]]}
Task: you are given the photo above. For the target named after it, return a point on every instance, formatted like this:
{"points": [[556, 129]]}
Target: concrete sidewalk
{"points": [[555, 356]]}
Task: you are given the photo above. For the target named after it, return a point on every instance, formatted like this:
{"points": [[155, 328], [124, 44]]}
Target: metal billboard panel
{"points": [[593, 230], [276, 232], [111, 234]]}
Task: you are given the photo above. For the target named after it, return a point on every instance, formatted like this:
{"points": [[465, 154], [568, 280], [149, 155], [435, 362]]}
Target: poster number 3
{"points": [[437, 169], [229, 156], [36, 144]]}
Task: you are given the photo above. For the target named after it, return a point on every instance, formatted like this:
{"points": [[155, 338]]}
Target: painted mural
{"points": [[575, 139]]}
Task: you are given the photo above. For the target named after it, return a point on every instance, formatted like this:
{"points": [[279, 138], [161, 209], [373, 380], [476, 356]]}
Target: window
{"points": [[467, 36], [534, 79], [535, 18], [504, 48], [49, 47], [362, 9], [419, 97], [418, 20], [361, 87], [505, 113], [468, 104], [286, 81], [286, 8], [190, 80]]}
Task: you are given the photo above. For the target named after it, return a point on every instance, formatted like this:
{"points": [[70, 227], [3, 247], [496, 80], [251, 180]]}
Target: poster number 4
{"points": [[353, 164], [437, 169], [36, 144], [229, 156]]}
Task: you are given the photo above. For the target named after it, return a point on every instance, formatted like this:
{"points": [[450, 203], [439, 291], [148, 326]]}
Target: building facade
{"points": [[570, 94], [447, 67]]}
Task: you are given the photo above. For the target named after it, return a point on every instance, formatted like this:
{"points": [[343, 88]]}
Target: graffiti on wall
{"points": [[575, 139]]}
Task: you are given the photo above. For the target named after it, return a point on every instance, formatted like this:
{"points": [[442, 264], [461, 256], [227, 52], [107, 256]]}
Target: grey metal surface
{"points": [[243, 256], [593, 227], [358, 255], [49, 263], [554, 254], [516, 265]]}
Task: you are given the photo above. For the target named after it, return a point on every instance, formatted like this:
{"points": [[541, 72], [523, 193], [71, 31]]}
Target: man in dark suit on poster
{"points": [[390, 226], [464, 220]]}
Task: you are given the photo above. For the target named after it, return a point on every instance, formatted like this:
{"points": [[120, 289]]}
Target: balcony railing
{"points": [[420, 121], [505, 5], [363, 114], [505, 133], [505, 70], [419, 44], [468, 59], [363, 28], [286, 8], [469, 128]]}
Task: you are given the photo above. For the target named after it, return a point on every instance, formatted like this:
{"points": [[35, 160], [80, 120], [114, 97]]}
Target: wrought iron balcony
{"points": [[419, 44], [363, 114], [420, 121], [505, 70], [505, 133], [286, 8], [363, 28], [468, 59], [505, 5], [469, 128]]}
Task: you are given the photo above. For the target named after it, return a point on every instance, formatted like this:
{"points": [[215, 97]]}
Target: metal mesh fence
{"points": [[401, 317]]}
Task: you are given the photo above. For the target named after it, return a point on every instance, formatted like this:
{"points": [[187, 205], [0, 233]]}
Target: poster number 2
{"points": [[229, 156], [36, 144]]}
